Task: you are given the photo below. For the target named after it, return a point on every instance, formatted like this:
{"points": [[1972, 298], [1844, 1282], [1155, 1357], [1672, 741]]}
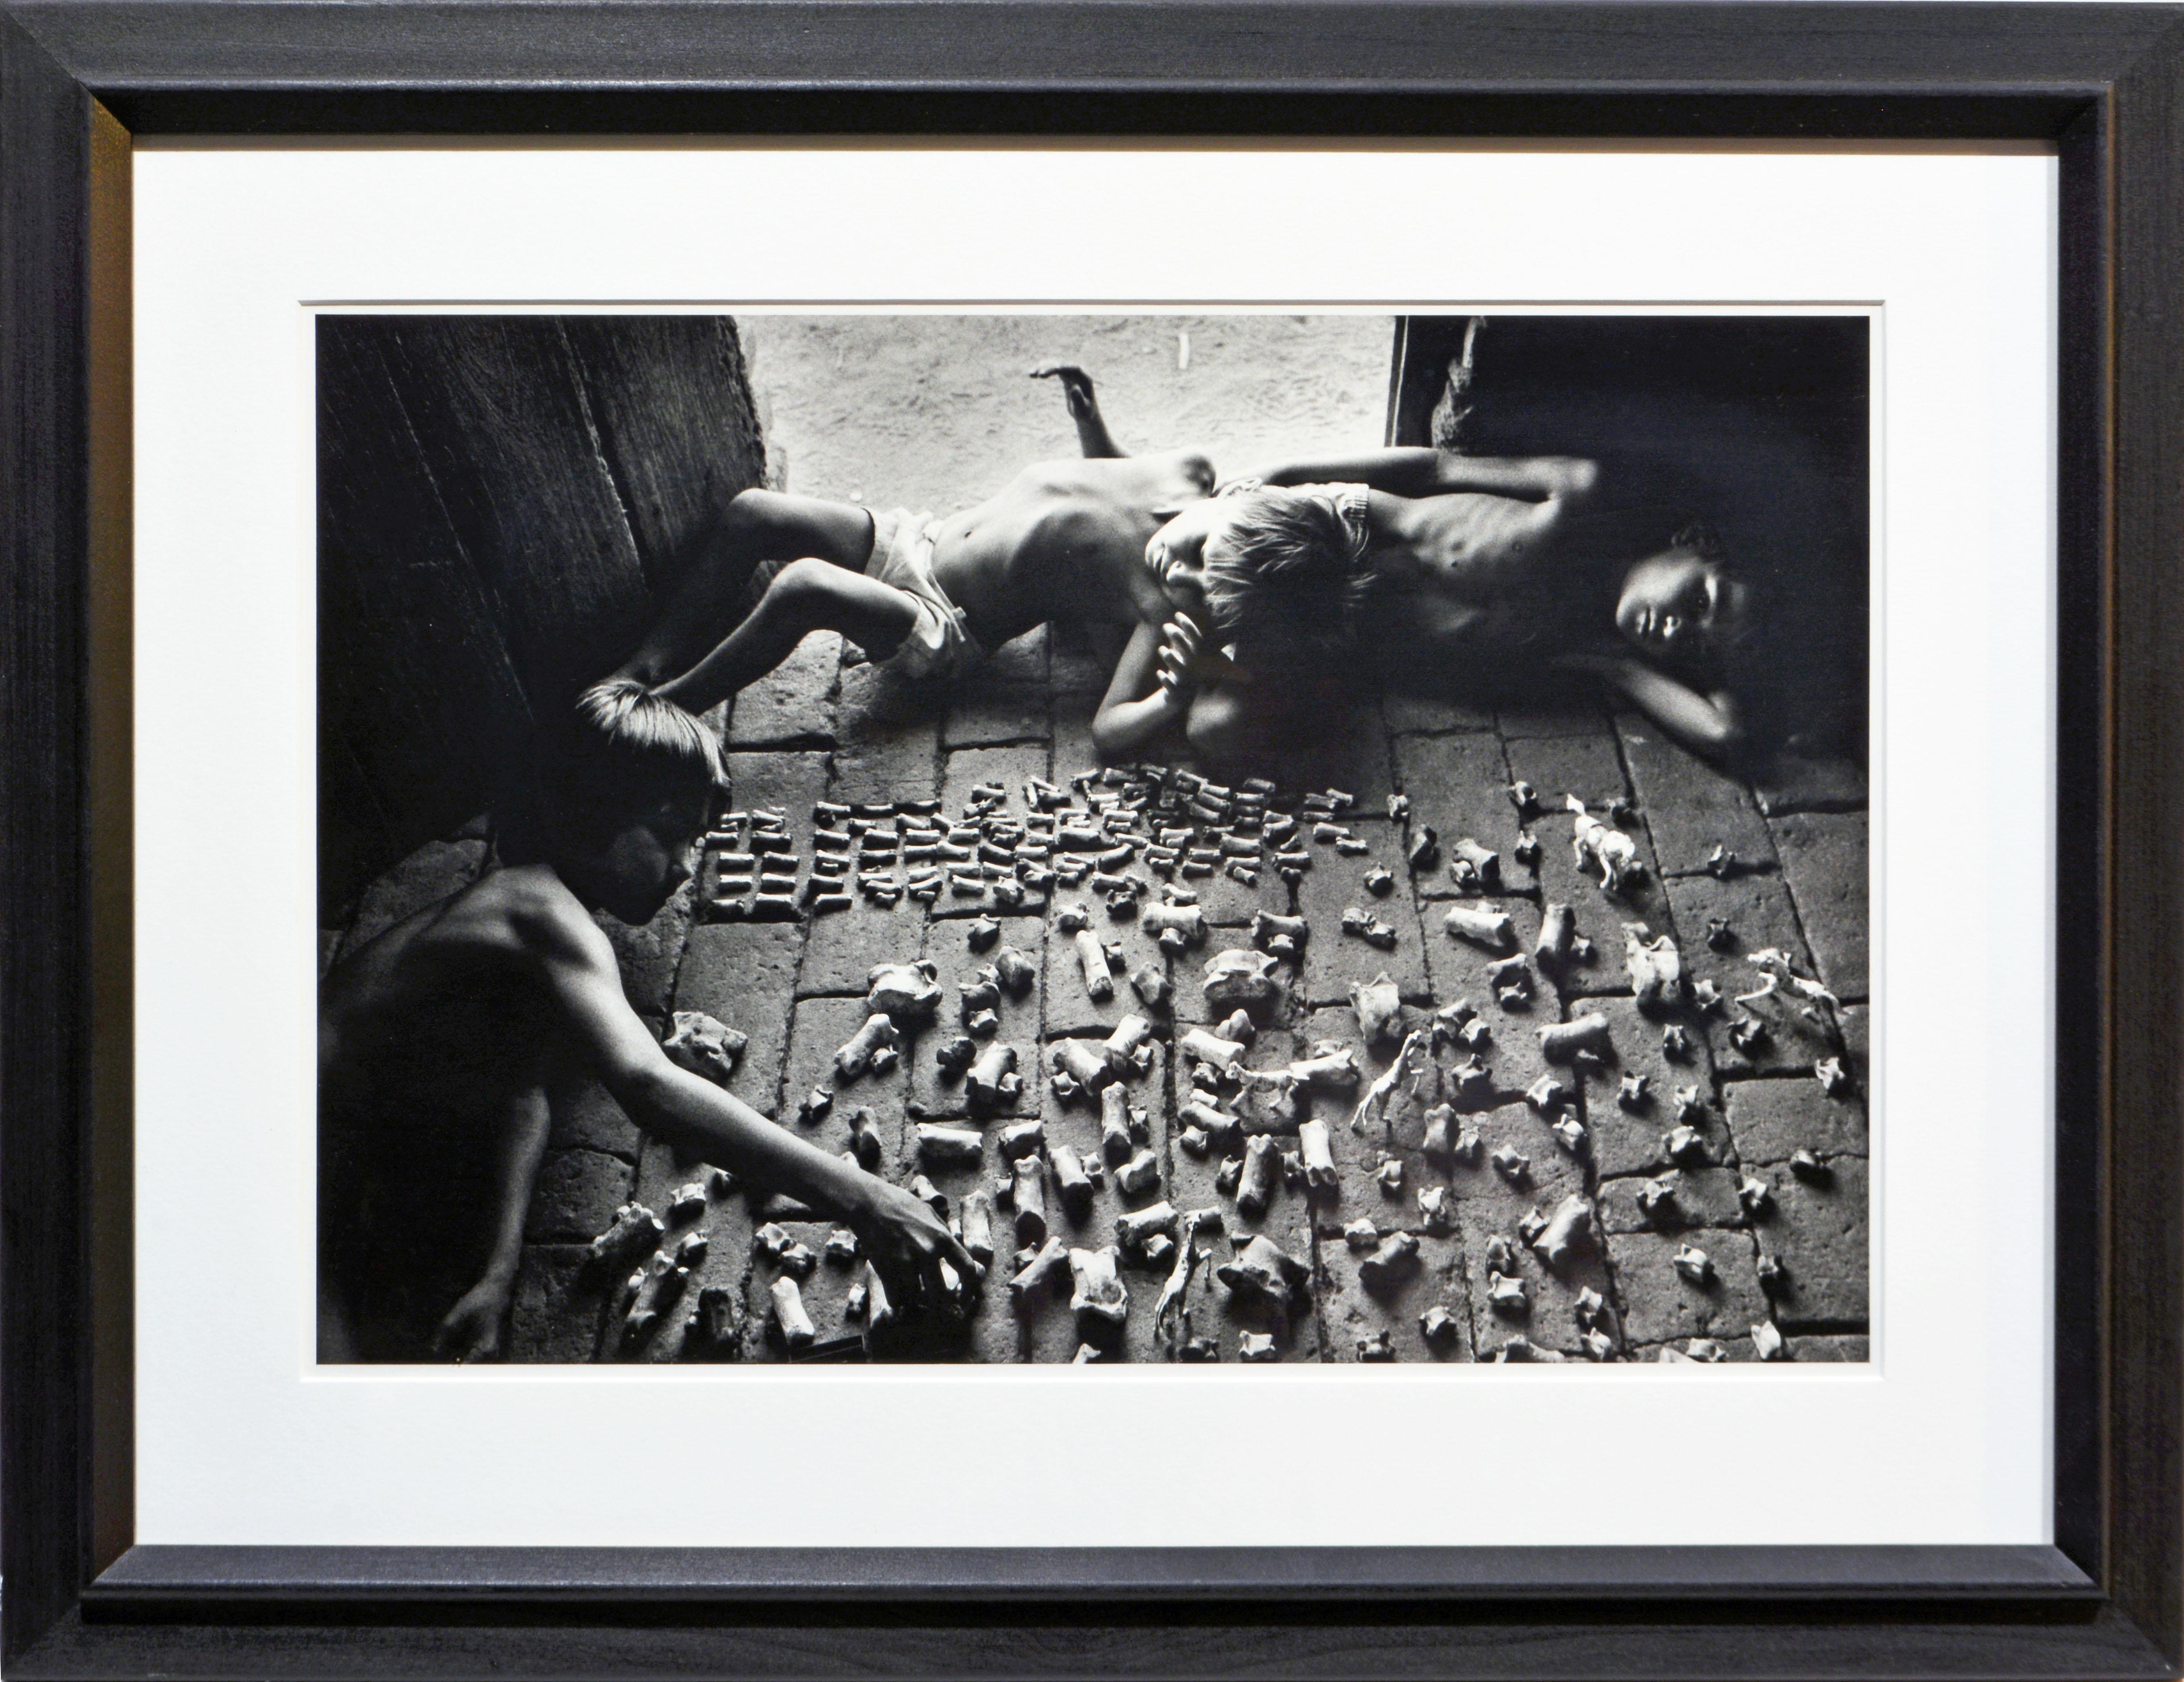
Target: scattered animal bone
{"points": [[1099, 1293], [1440, 1142], [1656, 1200], [939, 1144], [1389, 1175], [1083, 1063], [1438, 1328], [1690, 1106], [716, 1322], [982, 996], [1569, 1230], [1225, 1055], [1092, 959], [1720, 936], [1547, 1097], [876, 1046], [1115, 1141], [1027, 1194], [1378, 1005], [634, 1231], [952, 1057], [993, 1080], [1505, 1296], [1242, 980], [1378, 1347], [865, 1141], [1379, 882], [1316, 1148], [687, 1202], [1593, 844], [1436, 1212], [1591, 1308], [1134, 1231], [1756, 1195], [1015, 972], [1721, 864], [1706, 996], [1025, 1138], [1596, 1345], [1693, 1264], [1656, 967], [703, 1046], [1472, 1078], [1423, 852], [1256, 1346], [1360, 1234], [1773, 1277], [1255, 1189], [1834, 1079], [907, 993], [1036, 1278], [1331, 1068], [1632, 1092], [1585, 1036], [1237, 1027], [983, 1025], [1266, 1274], [1490, 930], [1749, 1035], [1675, 1044], [982, 934], [1767, 1342], [795, 1326], [1150, 986], [1570, 1133], [818, 1104], [1139, 1175], [1395, 1257], [1512, 983], [1511, 1166], [1685, 1144], [1810, 1169], [1525, 798], [840, 1247], [1373, 930], [978, 1217]]}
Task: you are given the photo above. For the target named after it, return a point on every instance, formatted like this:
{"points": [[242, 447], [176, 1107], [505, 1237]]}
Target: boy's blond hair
{"points": [[629, 748], [1284, 576]]}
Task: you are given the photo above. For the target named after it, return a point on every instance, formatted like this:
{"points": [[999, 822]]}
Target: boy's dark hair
{"points": [[1285, 575], [626, 749]]}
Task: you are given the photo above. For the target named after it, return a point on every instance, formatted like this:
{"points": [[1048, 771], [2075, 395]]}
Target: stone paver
{"points": [[1825, 855]]}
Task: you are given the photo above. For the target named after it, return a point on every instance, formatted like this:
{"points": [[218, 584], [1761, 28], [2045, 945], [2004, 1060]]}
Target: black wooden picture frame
{"points": [[2104, 84]]}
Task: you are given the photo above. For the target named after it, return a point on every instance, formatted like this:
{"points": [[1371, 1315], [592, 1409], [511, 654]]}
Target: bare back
{"points": [[1065, 540]]}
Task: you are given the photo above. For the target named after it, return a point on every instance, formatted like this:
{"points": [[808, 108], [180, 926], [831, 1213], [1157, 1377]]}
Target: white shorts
{"points": [[939, 644]]}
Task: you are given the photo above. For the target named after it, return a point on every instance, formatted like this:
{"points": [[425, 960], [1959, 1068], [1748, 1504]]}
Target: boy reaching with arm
{"points": [[473, 1006]]}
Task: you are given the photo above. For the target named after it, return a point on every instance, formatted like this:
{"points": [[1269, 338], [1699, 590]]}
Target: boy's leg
{"points": [[808, 595], [756, 525]]}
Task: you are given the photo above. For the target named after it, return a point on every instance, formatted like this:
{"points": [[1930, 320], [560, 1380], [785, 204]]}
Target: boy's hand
{"points": [[907, 1242], [471, 1330], [1178, 650], [1076, 386]]}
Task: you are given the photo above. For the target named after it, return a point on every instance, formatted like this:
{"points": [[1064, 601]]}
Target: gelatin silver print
{"points": [[1092, 838]]}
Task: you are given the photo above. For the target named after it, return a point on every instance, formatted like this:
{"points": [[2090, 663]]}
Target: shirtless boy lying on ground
{"points": [[1076, 540], [1508, 576], [468, 1010]]}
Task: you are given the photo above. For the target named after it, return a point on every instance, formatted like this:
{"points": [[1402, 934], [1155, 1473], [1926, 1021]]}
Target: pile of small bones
{"points": [[1090, 838]]}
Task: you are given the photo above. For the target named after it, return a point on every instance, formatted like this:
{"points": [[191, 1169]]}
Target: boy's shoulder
{"points": [[527, 907]]}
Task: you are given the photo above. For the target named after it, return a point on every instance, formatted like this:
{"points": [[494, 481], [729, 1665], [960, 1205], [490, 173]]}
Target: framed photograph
{"points": [[1389, 847]]}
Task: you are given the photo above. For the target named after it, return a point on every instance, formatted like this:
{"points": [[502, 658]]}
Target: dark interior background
{"points": [[500, 499], [1759, 426]]}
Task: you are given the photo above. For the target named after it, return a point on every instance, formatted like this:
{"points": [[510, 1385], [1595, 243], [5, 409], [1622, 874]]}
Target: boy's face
{"points": [[1677, 605], [1175, 554], [647, 860]]}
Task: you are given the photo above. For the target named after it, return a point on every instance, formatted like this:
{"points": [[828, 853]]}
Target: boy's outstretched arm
{"points": [[901, 1237], [1707, 724], [1092, 433], [471, 1330], [1434, 472]]}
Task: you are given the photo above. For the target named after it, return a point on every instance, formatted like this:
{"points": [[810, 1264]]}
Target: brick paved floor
{"points": [[830, 727]]}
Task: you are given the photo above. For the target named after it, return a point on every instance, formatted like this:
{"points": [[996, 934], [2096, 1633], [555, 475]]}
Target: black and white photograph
{"points": [[950, 836]]}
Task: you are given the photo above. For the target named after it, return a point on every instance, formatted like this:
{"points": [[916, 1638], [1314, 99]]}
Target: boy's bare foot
{"points": [[1076, 385]]}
